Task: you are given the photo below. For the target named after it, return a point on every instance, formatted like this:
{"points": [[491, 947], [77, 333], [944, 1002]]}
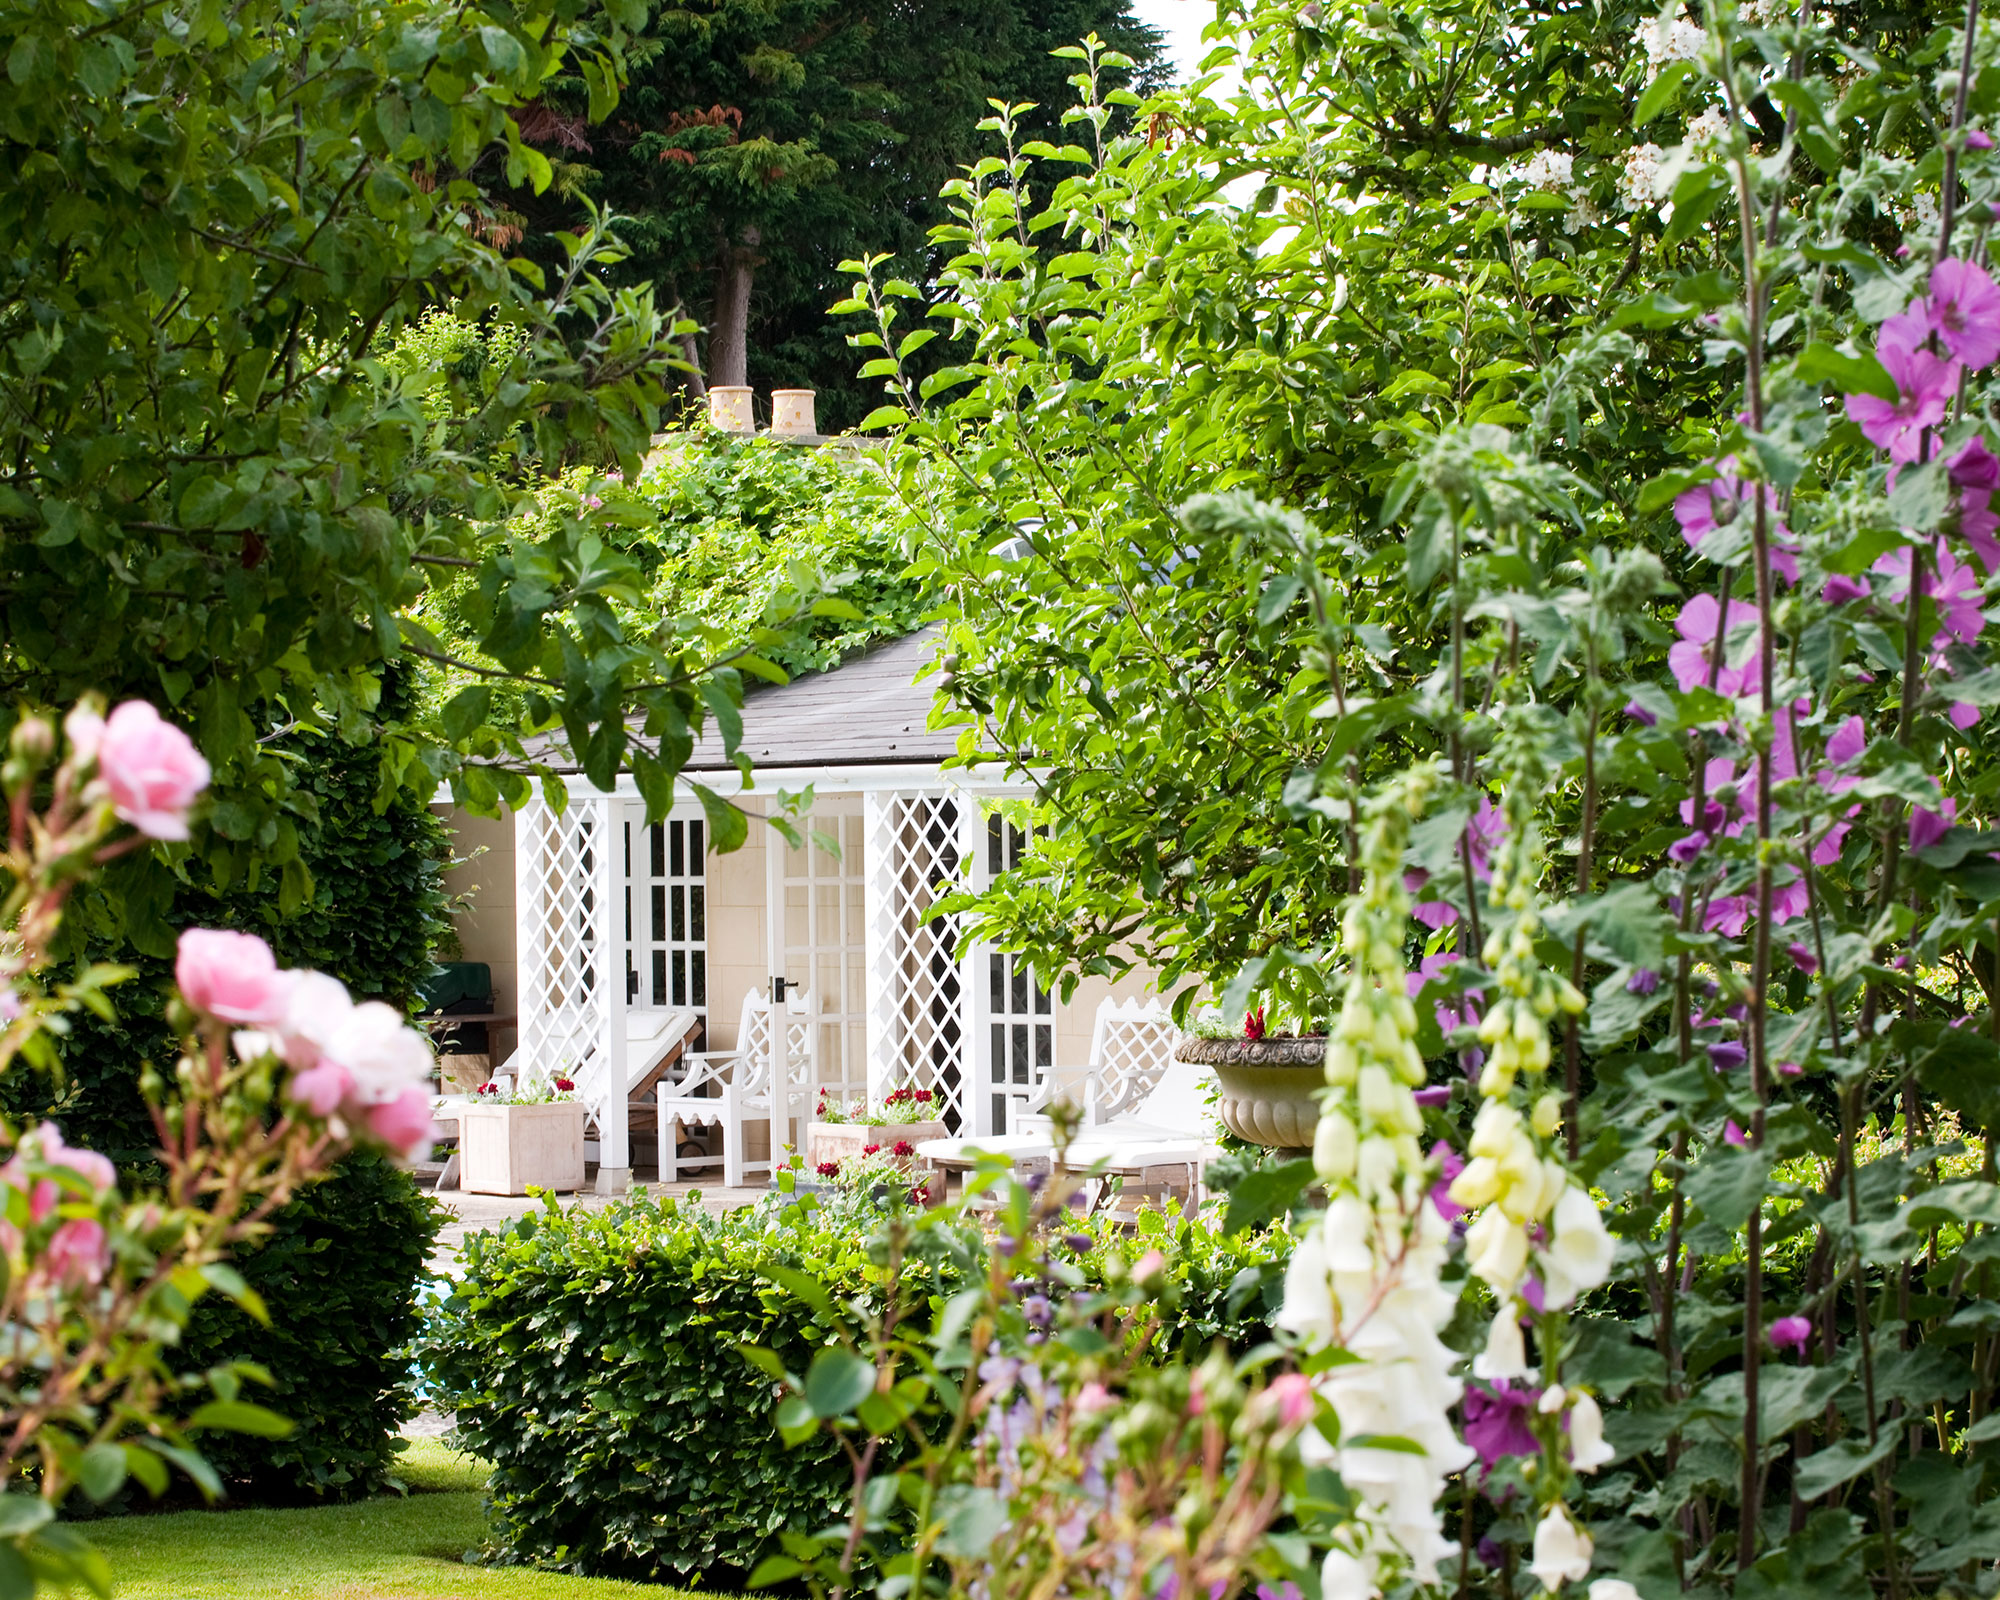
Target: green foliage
{"points": [[819, 128], [729, 537], [214, 496], [341, 1276], [1416, 462], [595, 1359]]}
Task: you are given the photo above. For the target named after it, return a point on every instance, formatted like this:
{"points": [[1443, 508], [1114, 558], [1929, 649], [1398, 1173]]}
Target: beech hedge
{"points": [[594, 1359]]}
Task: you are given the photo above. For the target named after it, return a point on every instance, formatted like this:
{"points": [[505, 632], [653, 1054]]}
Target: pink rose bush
{"points": [[363, 1062], [95, 1280]]}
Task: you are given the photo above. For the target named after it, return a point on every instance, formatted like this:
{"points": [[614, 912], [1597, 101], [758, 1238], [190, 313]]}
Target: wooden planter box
{"points": [[843, 1141], [504, 1149]]}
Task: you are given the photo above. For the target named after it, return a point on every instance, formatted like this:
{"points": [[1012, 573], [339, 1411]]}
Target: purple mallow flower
{"points": [[1640, 714], [1840, 589], [1802, 958], [1496, 1422], [1644, 980], [1687, 847], [1789, 1333], [1726, 1055]]}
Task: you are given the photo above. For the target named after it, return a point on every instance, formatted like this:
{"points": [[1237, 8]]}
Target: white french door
{"points": [[817, 924]]}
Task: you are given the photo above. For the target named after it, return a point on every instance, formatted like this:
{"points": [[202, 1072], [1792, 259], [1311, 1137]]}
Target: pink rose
{"points": [[383, 1053], [84, 728], [78, 1252], [320, 1089], [315, 1007], [152, 770], [233, 976], [404, 1123], [95, 1170], [1292, 1394]]}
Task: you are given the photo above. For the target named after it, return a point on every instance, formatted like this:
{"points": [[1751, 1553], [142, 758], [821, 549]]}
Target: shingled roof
{"points": [[869, 710]]}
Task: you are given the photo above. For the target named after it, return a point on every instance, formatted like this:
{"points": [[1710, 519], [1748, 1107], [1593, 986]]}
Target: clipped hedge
{"points": [[341, 1275], [592, 1357]]}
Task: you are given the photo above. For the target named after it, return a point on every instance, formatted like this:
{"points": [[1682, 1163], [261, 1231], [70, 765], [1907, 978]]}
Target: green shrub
{"points": [[593, 1358], [341, 1276]]}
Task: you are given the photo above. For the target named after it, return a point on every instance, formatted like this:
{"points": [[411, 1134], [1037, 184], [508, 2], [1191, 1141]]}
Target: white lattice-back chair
{"points": [[767, 1078], [1131, 1046]]}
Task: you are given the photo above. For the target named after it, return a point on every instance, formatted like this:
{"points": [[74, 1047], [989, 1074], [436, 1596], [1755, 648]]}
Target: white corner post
{"points": [[611, 876]]}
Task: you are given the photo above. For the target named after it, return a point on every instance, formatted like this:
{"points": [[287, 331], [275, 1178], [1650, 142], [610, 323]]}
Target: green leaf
{"points": [[727, 826], [1662, 92], [972, 1518], [1728, 1181], [1820, 362], [240, 1416], [102, 1471], [1268, 1193], [837, 1381], [1830, 1468], [23, 1513], [1277, 598]]}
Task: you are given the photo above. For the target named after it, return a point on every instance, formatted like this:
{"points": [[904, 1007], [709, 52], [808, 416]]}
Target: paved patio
{"points": [[476, 1213]]}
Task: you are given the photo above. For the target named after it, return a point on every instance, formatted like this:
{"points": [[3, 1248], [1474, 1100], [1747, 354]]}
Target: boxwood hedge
{"points": [[592, 1357]]}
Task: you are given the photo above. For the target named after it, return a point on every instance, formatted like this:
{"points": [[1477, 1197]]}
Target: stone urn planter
{"points": [[843, 1141], [503, 1149], [1269, 1086]]}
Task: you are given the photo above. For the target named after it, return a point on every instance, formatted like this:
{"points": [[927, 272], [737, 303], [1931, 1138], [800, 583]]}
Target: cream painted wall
{"points": [[483, 887]]}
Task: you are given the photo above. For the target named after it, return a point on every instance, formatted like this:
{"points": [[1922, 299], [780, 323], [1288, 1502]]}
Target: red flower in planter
{"points": [[903, 1147], [924, 1096], [870, 1149], [564, 1086], [828, 1169], [487, 1088], [1253, 1024]]}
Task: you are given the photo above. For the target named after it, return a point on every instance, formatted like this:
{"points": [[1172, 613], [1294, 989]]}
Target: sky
{"points": [[1181, 21]]}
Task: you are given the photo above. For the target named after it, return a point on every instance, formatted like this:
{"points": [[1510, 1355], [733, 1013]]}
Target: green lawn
{"points": [[395, 1548]]}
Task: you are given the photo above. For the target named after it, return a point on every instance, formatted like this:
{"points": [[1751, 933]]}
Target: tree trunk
{"points": [[729, 319]]}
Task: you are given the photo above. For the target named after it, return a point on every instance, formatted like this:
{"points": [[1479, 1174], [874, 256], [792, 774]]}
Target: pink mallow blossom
{"points": [[1496, 1421], [1924, 385], [1725, 498], [1789, 1333], [1927, 827], [1702, 658], [150, 769], [233, 976], [1964, 307], [1975, 473]]}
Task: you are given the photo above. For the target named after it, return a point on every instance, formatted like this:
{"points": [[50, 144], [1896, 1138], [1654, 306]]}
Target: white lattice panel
{"points": [[1133, 1045], [917, 1014], [569, 908]]}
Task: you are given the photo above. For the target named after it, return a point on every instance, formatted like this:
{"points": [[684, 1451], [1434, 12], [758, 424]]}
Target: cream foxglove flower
{"points": [[1612, 1589], [1587, 1449], [1562, 1550], [1578, 1256], [1506, 1353], [1496, 1249], [1344, 1577]]}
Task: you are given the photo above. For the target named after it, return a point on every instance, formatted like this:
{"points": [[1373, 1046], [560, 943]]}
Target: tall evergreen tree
{"points": [[759, 143]]}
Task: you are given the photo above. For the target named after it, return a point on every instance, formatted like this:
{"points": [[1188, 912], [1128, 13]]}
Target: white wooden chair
{"points": [[768, 1077], [1131, 1047], [1138, 1103]]}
